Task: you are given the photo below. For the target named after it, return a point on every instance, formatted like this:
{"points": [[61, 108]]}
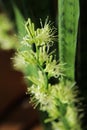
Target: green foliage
{"points": [[68, 28], [20, 21]]}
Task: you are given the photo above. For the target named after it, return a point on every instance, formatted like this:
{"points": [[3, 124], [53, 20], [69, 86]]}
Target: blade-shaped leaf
{"points": [[68, 27], [20, 22]]}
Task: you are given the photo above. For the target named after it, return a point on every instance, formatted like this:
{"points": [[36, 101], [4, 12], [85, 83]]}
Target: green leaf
{"points": [[68, 27], [20, 22]]}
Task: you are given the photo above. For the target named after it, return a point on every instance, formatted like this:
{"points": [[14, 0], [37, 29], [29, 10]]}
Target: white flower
{"points": [[41, 36], [19, 62]]}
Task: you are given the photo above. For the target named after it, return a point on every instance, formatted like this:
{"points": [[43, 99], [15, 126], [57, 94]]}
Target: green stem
{"points": [[41, 68]]}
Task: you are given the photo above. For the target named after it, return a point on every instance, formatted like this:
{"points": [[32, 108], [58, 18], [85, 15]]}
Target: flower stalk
{"points": [[40, 66]]}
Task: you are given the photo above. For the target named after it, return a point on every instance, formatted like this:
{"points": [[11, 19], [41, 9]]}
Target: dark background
{"points": [[14, 107]]}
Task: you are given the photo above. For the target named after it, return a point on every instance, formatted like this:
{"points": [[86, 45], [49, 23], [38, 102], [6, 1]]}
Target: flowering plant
{"points": [[39, 65]]}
